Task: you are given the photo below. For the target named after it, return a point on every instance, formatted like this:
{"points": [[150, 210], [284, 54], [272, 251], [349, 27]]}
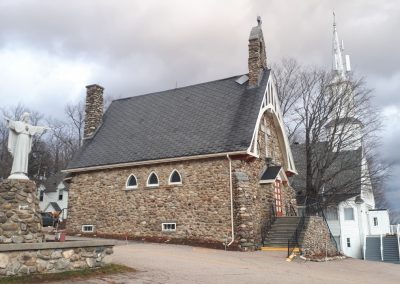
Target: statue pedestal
{"points": [[20, 220]]}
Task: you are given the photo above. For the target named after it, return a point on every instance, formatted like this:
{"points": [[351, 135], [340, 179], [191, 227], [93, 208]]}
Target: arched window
{"points": [[131, 182], [175, 178], [152, 180]]}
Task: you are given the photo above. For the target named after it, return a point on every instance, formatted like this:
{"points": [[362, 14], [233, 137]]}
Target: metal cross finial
{"points": [[334, 19], [259, 21]]}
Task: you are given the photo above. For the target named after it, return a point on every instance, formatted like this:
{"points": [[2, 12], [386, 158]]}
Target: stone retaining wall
{"points": [[20, 220], [316, 241], [49, 259]]}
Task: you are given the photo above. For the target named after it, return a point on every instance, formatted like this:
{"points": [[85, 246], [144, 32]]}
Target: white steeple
{"points": [[338, 50]]}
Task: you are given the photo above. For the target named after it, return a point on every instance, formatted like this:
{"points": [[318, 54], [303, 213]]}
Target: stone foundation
{"points": [[20, 220], [316, 241], [52, 257]]}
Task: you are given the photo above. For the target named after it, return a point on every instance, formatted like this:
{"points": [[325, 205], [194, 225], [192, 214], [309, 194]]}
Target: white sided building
{"points": [[53, 195]]}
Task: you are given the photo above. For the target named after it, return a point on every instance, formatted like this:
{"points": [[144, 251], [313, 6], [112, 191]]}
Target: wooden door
{"points": [[278, 198]]}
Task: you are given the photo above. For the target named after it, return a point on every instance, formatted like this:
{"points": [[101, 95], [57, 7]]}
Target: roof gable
{"points": [[208, 118]]}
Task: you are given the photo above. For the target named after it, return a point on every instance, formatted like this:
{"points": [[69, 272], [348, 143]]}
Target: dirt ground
{"points": [[162, 263], [166, 263]]}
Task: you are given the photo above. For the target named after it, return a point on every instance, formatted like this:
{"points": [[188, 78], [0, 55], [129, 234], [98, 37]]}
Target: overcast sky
{"points": [[50, 50]]}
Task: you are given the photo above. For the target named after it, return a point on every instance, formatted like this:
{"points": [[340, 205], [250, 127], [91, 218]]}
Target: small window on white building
{"points": [[331, 214], [88, 228], [348, 242], [168, 227], [131, 182], [349, 213], [375, 221], [41, 195], [60, 195], [152, 180], [175, 178]]}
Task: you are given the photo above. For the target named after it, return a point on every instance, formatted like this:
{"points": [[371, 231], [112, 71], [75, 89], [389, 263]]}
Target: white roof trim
{"points": [[149, 162], [270, 103]]}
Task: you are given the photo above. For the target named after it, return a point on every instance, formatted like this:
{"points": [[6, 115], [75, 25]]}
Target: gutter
{"points": [[231, 192], [148, 162]]}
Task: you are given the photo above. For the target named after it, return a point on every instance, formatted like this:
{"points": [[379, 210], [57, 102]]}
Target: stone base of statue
{"points": [[18, 176], [20, 219]]}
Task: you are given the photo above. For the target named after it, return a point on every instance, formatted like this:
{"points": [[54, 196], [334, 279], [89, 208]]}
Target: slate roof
{"points": [[53, 181], [208, 118], [55, 206], [270, 173], [345, 172]]}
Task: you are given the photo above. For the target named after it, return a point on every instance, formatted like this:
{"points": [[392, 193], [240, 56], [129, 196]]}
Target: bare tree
{"points": [[338, 126], [76, 115]]}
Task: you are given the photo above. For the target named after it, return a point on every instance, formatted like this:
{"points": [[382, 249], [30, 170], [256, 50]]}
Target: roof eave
{"points": [[160, 161]]}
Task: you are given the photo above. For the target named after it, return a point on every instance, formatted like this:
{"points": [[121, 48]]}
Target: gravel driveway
{"points": [[161, 263]]}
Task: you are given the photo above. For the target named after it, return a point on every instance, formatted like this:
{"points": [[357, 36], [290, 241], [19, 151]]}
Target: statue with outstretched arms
{"points": [[20, 144]]}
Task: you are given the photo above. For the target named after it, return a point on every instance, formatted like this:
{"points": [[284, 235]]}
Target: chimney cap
{"points": [[94, 86]]}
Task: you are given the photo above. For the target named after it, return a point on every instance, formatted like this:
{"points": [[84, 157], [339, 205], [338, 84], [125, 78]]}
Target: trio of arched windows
{"points": [[152, 180]]}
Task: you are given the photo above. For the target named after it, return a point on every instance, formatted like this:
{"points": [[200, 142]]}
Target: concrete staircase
{"points": [[282, 230]]}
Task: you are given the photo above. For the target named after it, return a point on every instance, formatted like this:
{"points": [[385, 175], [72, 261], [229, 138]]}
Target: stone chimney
{"points": [[257, 56], [93, 109]]}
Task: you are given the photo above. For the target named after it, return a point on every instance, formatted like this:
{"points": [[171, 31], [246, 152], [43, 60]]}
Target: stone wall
{"points": [[93, 110], [316, 241], [257, 56], [20, 220], [50, 260], [200, 206]]}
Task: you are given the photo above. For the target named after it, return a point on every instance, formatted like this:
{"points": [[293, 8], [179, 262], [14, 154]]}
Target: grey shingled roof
{"points": [[53, 181], [212, 117], [346, 170], [55, 206]]}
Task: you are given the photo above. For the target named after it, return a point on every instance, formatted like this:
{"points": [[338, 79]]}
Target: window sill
{"points": [[130, 188], [152, 187]]}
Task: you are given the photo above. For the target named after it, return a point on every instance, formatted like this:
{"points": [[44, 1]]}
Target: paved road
{"points": [[161, 263]]}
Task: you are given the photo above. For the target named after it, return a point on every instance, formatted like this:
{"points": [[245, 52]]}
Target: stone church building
{"points": [[206, 164]]}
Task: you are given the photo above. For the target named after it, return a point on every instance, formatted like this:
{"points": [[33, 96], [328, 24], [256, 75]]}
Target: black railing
{"points": [[294, 241], [270, 221], [313, 208], [290, 210]]}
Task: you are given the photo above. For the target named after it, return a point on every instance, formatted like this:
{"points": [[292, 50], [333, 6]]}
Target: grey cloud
{"points": [[138, 47]]}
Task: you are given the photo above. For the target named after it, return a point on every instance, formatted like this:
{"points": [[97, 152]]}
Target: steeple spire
{"points": [[338, 57]]}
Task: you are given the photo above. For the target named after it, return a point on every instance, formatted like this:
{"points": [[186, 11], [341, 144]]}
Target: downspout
{"points": [[231, 192]]}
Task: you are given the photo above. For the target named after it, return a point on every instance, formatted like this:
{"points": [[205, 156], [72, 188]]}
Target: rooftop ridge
{"points": [[180, 88]]}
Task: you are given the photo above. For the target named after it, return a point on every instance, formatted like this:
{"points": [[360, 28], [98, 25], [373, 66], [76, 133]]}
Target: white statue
{"points": [[20, 144]]}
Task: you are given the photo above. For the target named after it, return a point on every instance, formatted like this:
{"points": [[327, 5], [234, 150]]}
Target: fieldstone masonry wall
{"points": [[316, 241], [93, 109], [51, 260], [20, 220], [200, 207]]}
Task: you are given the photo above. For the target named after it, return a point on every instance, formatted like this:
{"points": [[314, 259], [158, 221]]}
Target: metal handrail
{"points": [[293, 242], [312, 209], [272, 218]]}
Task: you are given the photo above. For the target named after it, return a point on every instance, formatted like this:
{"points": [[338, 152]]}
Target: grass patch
{"points": [[68, 275]]}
